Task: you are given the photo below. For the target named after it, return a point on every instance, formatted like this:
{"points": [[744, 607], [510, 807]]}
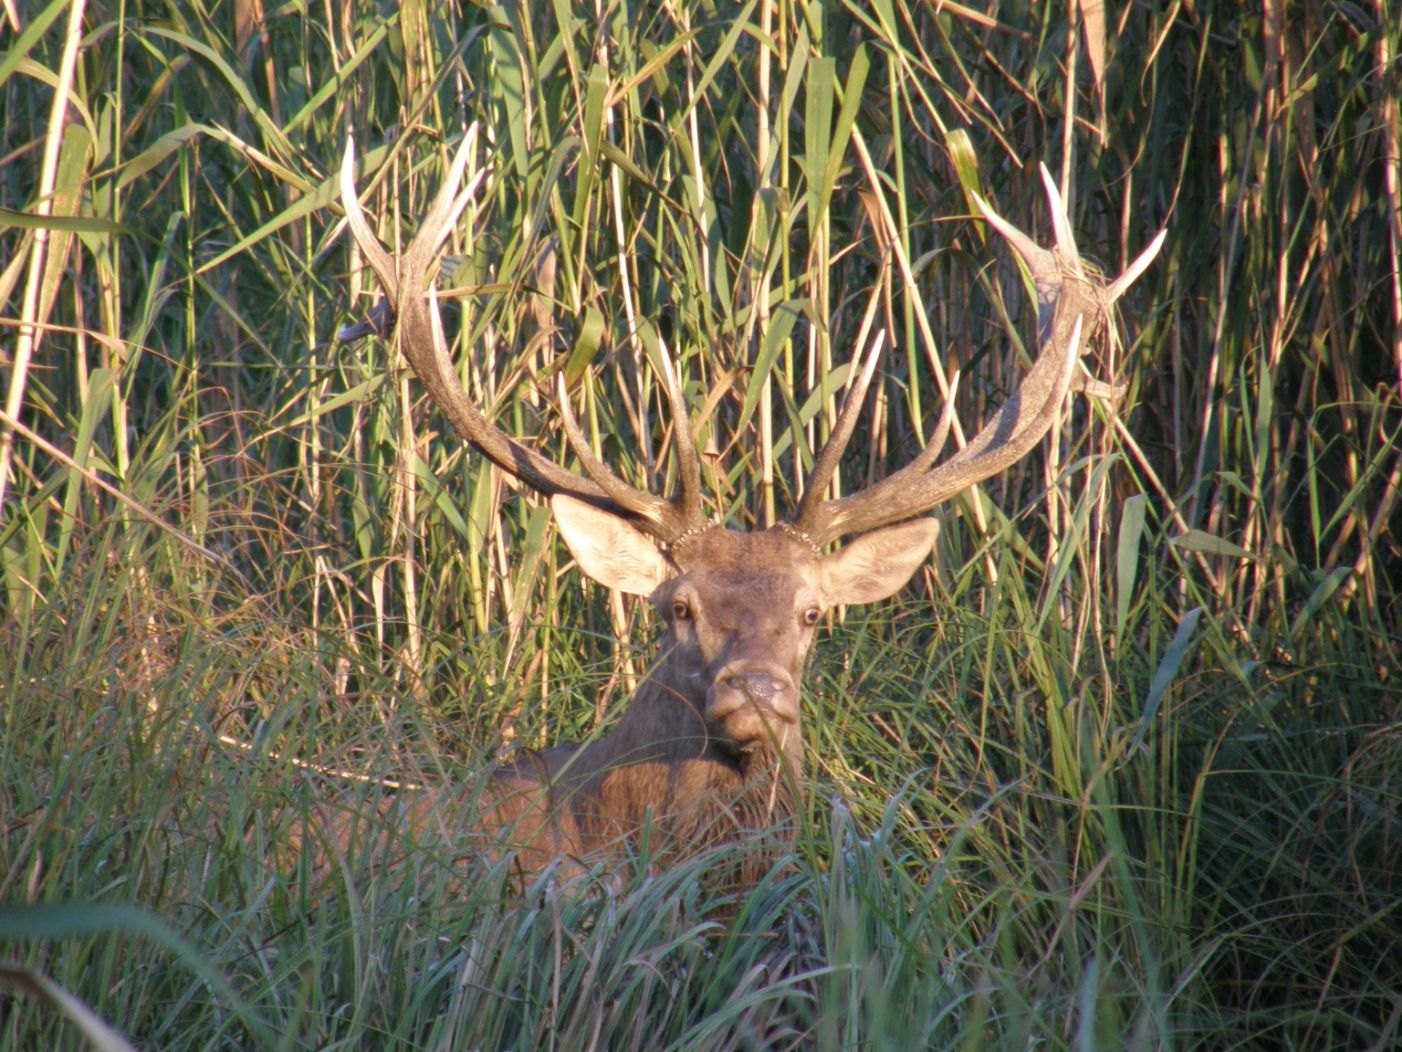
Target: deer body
{"points": [[709, 748]]}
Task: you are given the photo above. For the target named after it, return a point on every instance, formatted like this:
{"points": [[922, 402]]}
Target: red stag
{"points": [[708, 749]]}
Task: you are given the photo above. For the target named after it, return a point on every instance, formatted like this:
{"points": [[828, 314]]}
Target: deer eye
{"points": [[681, 610], [812, 616]]}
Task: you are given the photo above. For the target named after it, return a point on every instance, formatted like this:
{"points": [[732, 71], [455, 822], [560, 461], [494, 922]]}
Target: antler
{"points": [[1072, 306], [405, 280]]}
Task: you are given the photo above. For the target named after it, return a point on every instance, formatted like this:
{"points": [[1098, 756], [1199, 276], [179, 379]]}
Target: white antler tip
{"points": [[1121, 284], [1061, 221], [1038, 259], [348, 169]]}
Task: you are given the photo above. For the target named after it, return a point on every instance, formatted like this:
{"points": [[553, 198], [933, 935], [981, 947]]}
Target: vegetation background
{"points": [[1121, 771]]}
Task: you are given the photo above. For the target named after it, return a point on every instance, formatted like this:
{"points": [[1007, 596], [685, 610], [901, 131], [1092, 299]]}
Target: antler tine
{"points": [[659, 517], [820, 522], [1072, 306], [1061, 222], [379, 260], [448, 203], [925, 459], [808, 517], [1121, 284], [684, 442], [404, 279]]}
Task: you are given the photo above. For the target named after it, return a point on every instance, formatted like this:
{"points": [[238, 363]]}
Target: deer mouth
{"points": [[753, 707]]}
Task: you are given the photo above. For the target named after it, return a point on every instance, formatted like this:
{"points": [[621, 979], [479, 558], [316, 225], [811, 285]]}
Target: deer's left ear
{"points": [[608, 549], [877, 564]]}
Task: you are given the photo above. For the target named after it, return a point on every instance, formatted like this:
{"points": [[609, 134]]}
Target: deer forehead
{"points": [[762, 570], [770, 553]]}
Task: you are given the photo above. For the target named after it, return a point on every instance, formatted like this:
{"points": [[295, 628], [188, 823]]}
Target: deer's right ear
{"points": [[609, 550]]}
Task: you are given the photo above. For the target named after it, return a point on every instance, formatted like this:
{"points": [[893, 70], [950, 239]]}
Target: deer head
{"points": [[708, 747], [740, 608]]}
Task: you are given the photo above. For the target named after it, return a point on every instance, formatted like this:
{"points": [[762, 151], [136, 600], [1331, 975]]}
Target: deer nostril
{"points": [[751, 703], [756, 686]]}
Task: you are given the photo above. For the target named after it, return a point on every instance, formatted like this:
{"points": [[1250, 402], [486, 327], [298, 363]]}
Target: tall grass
{"points": [[1120, 771]]}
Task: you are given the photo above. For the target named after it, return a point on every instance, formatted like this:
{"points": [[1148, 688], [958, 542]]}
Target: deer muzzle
{"points": [[753, 705]]}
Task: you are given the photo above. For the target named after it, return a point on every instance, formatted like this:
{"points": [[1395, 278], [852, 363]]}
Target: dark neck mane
{"points": [[663, 780], [678, 809]]}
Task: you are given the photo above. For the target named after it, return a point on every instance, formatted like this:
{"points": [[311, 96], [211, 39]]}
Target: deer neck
{"points": [[663, 767]]}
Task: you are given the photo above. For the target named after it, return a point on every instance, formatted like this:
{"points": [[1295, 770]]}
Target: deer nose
{"points": [[757, 687], [752, 704]]}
